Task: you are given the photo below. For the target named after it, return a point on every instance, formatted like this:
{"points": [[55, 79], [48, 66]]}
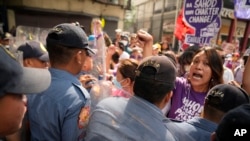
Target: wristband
{"points": [[98, 36]]}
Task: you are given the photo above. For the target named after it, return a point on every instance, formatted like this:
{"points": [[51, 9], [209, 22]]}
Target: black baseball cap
{"points": [[225, 97], [165, 70]]}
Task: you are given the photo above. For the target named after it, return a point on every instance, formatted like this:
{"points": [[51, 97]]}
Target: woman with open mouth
{"points": [[206, 71]]}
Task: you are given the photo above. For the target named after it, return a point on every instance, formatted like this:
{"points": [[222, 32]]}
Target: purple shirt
{"points": [[185, 103]]}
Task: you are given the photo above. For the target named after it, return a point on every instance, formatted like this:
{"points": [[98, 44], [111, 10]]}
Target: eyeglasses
{"points": [[88, 53], [136, 57]]}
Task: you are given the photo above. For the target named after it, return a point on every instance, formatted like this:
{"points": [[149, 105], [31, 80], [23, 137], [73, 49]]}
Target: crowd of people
{"points": [[142, 91]]}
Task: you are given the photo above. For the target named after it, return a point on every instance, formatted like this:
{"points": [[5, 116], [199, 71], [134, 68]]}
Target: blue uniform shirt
{"points": [[199, 128], [134, 119], [54, 114]]}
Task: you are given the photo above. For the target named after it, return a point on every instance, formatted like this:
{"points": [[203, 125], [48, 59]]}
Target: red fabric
{"points": [[184, 46], [181, 28]]}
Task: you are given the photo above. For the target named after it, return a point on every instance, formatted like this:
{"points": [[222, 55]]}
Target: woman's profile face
{"points": [[200, 72]]}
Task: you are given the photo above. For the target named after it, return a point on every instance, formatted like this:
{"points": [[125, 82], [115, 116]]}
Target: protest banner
{"points": [[242, 9], [204, 17]]}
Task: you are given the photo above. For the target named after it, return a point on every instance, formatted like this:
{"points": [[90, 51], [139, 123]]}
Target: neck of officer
{"points": [[72, 68], [212, 114]]}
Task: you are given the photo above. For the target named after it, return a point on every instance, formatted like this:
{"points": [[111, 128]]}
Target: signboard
{"points": [[242, 9], [205, 34], [204, 17]]}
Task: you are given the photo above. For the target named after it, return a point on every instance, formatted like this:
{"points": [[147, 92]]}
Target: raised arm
{"points": [[146, 42]]}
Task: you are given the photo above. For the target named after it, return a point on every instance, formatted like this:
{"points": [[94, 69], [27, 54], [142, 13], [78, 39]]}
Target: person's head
{"points": [[155, 79], [156, 48], [206, 69], [172, 56], [136, 53], [235, 125], [222, 98], [115, 57], [221, 52], [229, 48], [185, 59], [133, 38], [164, 45], [34, 54], [121, 46], [14, 83], [125, 74], [235, 56], [118, 34], [125, 37], [193, 48], [5, 39], [67, 45]]}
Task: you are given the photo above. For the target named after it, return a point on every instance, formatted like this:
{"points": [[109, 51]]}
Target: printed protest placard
{"points": [[204, 17], [205, 34], [242, 9]]}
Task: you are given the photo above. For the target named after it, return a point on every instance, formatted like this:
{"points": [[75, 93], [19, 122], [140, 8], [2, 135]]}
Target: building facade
{"points": [[48, 13], [158, 17]]}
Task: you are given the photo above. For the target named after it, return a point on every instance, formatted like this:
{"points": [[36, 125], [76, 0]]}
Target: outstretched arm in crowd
{"points": [[100, 43], [109, 53], [246, 78]]}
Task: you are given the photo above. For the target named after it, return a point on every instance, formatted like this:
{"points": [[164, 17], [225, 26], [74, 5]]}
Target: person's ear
{"points": [[168, 97], [128, 80], [165, 100], [79, 57], [27, 62]]}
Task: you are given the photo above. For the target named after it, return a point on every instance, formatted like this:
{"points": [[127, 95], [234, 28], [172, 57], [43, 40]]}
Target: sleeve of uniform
{"points": [[102, 126], [70, 130], [75, 118]]}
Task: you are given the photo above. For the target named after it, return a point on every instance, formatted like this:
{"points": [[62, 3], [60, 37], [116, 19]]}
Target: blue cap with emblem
{"points": [[16, 79], [68, 35], [34, 49]]}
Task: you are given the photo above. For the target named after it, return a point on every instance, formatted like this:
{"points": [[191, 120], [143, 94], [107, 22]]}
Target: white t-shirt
{"points": [[124, 55], [227, 75]]}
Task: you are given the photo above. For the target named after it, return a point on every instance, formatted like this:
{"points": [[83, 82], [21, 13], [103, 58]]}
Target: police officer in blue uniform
{"points": [[61, 112]]}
